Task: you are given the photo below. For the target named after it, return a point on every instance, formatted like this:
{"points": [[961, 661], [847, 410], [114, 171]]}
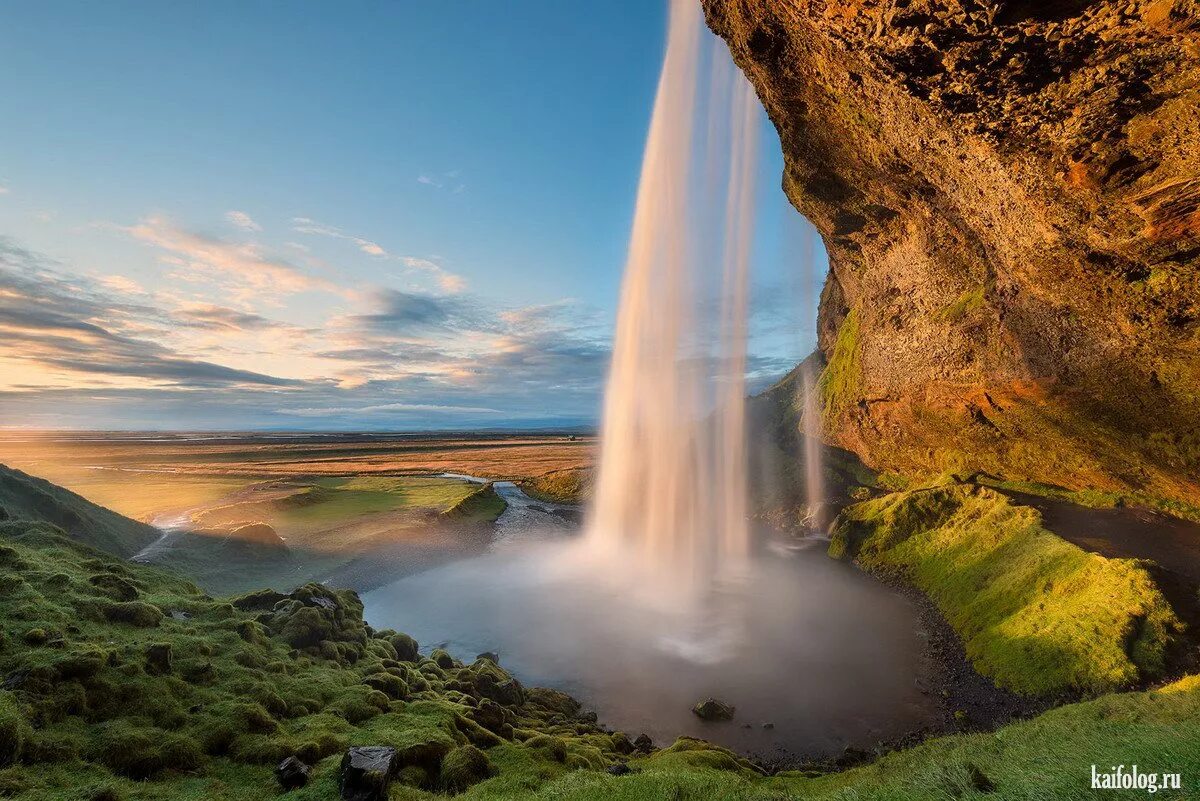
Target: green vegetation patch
{"points": [[1036, 614], [841, 382], [483, 505], [570, 486]]}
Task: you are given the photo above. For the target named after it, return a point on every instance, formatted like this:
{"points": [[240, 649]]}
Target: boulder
{"points": [[463, 767], [643, 743], [158, 658], [710, 709], [367, 772], [406, 648], [291, 773]]}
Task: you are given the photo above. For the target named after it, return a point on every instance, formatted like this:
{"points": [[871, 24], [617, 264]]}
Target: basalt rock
{"points": [[713, 710], [291, 773], [1009, 192], [367, 773]]}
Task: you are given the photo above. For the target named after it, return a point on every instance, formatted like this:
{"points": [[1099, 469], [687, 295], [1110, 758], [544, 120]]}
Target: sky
{"points": [[316, 216]]}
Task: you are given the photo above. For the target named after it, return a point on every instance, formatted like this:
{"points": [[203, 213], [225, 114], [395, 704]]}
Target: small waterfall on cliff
{"points": [[672, 491]]}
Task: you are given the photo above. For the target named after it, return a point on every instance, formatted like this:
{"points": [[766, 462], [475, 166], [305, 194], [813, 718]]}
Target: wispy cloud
{"points": [[245, 268], [304, 225], [3, 189], [450, 181], [240, 219], [445, 280]]}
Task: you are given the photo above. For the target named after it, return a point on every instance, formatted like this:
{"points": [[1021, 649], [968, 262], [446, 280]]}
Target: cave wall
{"points": [[1009, 192]]}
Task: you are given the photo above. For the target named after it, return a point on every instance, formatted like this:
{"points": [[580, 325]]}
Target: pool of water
{"points": [[814, 655]]}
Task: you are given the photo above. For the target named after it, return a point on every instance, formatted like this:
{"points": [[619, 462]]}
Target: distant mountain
{"points": [[25, 497]]}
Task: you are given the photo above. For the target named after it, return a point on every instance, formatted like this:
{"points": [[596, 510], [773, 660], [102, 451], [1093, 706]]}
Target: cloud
{"points": [[448, 282], [245, 270], [304, 225], [446, 180], [122, 284], [211, 316], [55, 326], [240, 219], [3, 189]]}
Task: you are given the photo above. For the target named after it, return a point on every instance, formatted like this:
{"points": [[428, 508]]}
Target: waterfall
{"points": [[672, 490]]}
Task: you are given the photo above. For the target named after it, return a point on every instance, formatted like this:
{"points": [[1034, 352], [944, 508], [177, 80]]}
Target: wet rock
{"points": [[442, 659], [643, 743], [489, 655], [851, 756], [291, 773], [713, 710], [768, 725], [367, 772], [619, 769]]}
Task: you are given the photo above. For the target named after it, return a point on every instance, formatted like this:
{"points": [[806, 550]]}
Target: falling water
{"points": [[672, 488]]}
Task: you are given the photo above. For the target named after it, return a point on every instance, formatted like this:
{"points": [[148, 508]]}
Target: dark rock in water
{"points": [[643, 743], [713, 710], [588, 716], [158, 658], [292, 773], [494, 657], [367, 772], [619, 769], [747, 726], [768, 725], [851, 756]]}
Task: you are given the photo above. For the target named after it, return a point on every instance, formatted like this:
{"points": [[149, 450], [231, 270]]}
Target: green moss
{"points": [[14, 730], [1036, 613], [969, 301], [463, 767], [841, 381]]}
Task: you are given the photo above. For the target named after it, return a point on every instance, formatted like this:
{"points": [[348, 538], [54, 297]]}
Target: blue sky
{"points": [[344, 216]]}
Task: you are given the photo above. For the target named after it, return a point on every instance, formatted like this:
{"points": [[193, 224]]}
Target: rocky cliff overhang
{"points": [[1010, 196]]}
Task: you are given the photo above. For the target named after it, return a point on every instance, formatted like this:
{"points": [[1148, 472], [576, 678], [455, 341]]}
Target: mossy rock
{"points": [[15, 731], [464, 767], [134, 613], [406, 647]]}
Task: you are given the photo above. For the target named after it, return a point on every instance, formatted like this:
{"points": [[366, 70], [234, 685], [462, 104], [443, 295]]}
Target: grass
{"points": [[481, 506], [1036, 613], [25, 496], [338, 499], [127, 682], [570, 486]]}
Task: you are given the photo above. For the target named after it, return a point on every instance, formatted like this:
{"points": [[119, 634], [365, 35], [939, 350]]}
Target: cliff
{"points": [[1010, 196]]}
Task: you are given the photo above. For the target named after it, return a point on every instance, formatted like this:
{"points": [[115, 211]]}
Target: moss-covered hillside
{"points": [[1036, 613], [124, 682], [30, 498]]}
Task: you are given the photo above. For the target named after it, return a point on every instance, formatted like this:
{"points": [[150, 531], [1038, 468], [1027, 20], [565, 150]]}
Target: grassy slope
{"points": [[481, 506], [248, 686], [30, 498], [571, 486], [1036, 613]]}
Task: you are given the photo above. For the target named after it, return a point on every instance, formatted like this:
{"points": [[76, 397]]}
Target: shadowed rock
{"points": [[367, 772]]}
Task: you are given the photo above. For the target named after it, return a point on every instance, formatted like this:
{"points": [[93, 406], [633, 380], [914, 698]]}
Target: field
{"points": [[276, 510]]}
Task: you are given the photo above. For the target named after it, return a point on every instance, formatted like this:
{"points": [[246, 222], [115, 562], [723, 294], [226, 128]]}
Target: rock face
{"points": [[367, 773], [1009, 191]]}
